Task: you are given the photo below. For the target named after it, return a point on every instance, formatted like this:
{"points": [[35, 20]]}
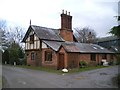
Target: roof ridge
{"points": [[44, 27]]}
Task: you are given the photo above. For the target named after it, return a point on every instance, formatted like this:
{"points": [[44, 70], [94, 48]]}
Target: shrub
{"points": [[110, 63], [82, 63]]}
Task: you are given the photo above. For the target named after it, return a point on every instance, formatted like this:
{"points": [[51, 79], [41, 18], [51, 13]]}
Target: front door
{"points": [[61, 61]]}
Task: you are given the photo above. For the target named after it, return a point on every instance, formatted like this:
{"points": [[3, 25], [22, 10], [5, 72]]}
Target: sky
{"points": [[95, 14]]}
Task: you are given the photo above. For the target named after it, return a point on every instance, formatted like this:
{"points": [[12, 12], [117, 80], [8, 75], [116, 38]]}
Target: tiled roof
{"points": [[109, 38], [85, 48], [53, 44], [44, 33], [77, 47], [92, 48], [70, 47], [115, 49]]}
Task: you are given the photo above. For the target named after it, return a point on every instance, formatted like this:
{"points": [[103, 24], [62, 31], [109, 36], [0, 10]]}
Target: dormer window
{"points": [[32, 39]]}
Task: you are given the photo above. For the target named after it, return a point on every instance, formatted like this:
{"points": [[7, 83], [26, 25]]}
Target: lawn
{"points": [[76, 70], [40, 68]]}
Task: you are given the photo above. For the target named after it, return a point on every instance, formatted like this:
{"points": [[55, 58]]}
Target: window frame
{"points": [[93, 57], [32, 56], [32, 39], [48, 55], [104, 56]]}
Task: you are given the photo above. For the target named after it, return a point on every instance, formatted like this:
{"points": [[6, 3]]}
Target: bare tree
{"points": [[85, 35], [3, 26], [15, 34], [8, 35]]}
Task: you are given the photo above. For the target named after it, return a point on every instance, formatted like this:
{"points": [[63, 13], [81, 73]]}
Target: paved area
{"points": [[0, 76], [26, 78]]}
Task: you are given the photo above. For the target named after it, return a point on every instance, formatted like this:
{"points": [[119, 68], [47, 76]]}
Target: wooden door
{"points": [[61, 61]]}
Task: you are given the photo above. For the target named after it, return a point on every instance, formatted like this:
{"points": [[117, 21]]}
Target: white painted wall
{"points": [[44, 45], [36, 44]]}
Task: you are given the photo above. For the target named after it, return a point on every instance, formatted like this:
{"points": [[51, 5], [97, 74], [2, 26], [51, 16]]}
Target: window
{"points": [[104, 56], [111, 56], [93, 57], [32, 56], [32, 38], [48, 56]]}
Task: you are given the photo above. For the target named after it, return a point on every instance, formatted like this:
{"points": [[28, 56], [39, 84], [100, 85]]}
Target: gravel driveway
{"points": [[26, 78]]}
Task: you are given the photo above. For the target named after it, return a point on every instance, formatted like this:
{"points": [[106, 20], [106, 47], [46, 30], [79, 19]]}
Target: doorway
{"points": [[61, 61]]}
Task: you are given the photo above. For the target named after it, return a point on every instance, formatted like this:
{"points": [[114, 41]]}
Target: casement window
{"points": [[32, 56], [104, 56], [48, 56], [111, 56], [93, 57], [32, 38]]}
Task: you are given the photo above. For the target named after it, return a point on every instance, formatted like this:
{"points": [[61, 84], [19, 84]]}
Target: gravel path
{"points": [[26, 78]]}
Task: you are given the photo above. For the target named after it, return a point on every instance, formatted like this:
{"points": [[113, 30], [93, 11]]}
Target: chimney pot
{"points": [[62, 11], [66, 12]]}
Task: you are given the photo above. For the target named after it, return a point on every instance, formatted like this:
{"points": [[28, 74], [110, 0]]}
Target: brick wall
{"points": [[36, 61], [67, 35], [65, 56], [66, 27], [53, 63], [73, 60], [87, 59]]}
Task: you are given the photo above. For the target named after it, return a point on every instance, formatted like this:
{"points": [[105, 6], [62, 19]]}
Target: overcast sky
{"points": [[96, 14]]}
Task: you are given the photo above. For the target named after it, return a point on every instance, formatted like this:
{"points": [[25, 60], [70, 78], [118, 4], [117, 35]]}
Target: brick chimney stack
{"points": [[66, 20], [66, 26]]}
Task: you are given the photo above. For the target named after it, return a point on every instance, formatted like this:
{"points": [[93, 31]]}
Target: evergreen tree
{"points": [[16, 54], [5, 57], [116, 29]]}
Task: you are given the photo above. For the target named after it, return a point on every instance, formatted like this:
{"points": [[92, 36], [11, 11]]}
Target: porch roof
{"points": [[53, 44]]}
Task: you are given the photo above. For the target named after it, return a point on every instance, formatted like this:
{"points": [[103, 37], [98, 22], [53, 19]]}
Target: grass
{"points": [[86, 69], [40, 68], [76, 70]]}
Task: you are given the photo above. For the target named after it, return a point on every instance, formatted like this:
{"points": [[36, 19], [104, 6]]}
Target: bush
{"points": [[110, 63], [82, 63]]}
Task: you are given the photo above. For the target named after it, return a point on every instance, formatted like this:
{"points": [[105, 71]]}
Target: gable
{"points": [[27, 34], [62, 50], [43, 33], [34, 44], [31, 32]]}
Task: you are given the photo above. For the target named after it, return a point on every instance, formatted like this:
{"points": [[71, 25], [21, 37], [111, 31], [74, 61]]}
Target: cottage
{"points": [[58, 48]]}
